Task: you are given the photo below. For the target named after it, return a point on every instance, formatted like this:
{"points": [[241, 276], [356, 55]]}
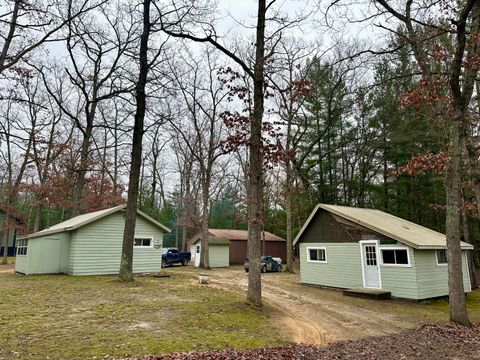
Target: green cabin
{"points": [[91, 244], [352, 248]]}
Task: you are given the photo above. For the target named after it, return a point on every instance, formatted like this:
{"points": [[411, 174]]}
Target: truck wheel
{"points": [[264, 269], [164, 263], [184, 262], [279, 268]]}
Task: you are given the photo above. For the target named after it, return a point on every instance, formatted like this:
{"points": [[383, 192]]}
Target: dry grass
{"points": [[66, 317]]}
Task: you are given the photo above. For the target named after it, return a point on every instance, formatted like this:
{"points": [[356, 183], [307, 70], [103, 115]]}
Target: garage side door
{"points": [[51, 253]]}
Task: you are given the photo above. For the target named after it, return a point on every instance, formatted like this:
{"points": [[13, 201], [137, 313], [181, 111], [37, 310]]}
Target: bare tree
{"points": [[98, 69], [202, 95], [26, 26], [15, 135], [256, 156], [422, 27]]}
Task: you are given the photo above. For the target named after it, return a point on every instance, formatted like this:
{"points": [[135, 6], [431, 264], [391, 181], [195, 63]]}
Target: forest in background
{"points": [[342, 128]]}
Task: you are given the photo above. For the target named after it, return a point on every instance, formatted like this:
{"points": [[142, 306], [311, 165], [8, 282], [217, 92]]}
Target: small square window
{"points": [[317, 255], [442, 257], [22, 247]]}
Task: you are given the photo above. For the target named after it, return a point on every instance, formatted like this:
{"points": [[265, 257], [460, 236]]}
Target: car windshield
{"points": [[164, 250]]}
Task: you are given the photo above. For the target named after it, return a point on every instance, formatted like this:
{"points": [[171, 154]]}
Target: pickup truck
{"points": [[172, 256]]}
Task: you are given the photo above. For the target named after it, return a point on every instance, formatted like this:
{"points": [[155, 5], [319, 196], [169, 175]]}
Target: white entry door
{"points": [[197, 255], [371, 274]]}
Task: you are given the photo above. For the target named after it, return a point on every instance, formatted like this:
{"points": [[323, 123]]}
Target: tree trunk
{"points": [[458, 308], [126, 273], [289, 189], [5, 241], [82, 172], [471, 262], [255, 191], [289, 224], [184, 238], [204, 253], [38, 216]]}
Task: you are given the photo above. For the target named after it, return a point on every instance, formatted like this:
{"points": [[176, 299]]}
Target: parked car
{"points": [[267, 263], [172, 256]]}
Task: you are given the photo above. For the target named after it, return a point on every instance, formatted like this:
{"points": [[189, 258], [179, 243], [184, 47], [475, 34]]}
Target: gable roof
{"points": [[84, 219], [214, 240], [241, 234], [232, 235], [396, 228]]}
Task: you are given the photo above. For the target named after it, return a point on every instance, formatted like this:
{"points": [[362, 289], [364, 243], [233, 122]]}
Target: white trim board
{"points": [[409, 265]]}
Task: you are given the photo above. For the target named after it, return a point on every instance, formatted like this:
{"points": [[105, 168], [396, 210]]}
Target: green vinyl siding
{"points": [[343, 268], [45, 255], [21, 262], [432, 279], [96, 248], [218, 255], [401, 281], [422, 279]]}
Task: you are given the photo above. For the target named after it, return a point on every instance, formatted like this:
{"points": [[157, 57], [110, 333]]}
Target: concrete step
{"points": [[376, 294]]}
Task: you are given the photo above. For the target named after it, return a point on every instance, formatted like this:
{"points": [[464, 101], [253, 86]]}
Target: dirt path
{"points": [[312, 315], [6, 268]]}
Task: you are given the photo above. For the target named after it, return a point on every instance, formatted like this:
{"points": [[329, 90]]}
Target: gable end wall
{"points": [[96, 248]]}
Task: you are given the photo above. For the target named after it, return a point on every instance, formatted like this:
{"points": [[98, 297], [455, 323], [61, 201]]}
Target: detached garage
{"points": [[272, 245], [218, 252], [91, 244]]}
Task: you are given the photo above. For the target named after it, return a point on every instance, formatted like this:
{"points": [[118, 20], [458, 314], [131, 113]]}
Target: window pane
{"points": [[388, 256], [146, 242], [313, 254], [137, 242], [321, 254], [401, 256]]}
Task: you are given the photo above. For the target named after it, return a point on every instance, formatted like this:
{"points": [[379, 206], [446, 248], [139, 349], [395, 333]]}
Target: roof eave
{"points": [[307, 222], [44, 233]]}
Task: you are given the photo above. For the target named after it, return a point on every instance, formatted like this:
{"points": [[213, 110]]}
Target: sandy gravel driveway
{"points": [[6, 268], [312, 315]]}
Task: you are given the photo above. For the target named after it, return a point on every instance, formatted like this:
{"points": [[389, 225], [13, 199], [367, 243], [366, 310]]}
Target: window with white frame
{"points": [[317, 254], [395, 257], [143, 242], [442, 257], [22, 247]]}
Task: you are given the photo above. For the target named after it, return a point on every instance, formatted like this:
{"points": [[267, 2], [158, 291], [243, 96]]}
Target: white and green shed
{"points": [[352, 248], [91, 244], [218, 251]]}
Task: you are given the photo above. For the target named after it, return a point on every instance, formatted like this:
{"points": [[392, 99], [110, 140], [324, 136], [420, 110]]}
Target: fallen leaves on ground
{"points": [[431, 341]]}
